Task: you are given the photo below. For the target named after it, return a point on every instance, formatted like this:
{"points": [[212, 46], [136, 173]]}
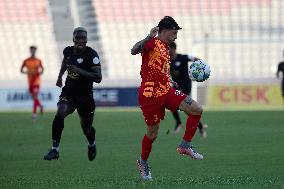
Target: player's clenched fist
{"points": [[154, 31]]}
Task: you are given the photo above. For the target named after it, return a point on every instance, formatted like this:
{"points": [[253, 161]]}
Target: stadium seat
{"points": [[25, 23]]}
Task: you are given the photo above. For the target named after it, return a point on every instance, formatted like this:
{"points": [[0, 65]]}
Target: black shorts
{"points": [[83, 102]]}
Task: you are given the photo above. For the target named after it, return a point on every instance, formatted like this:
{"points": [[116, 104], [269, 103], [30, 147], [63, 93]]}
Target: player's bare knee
{"points": [[152, 134], [198, 109], [153, 139]]}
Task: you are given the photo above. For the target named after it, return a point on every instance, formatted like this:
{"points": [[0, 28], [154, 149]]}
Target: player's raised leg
{"points": [[194, 111]]}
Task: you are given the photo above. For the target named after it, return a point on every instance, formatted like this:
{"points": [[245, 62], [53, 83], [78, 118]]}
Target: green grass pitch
{"points": [[243, 150]]}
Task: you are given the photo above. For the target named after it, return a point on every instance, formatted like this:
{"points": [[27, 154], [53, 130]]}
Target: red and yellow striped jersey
{"points": [[155, 68]]}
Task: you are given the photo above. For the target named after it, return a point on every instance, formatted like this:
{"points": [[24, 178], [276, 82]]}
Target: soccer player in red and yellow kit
{"points": [[156, 93], [32, 66]]}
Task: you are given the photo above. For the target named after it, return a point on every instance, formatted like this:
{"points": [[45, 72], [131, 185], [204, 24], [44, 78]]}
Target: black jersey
{"points": [[85, 60], [281, 68], [179, 72]]}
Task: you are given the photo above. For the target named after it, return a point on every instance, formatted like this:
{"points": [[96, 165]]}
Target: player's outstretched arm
{"points": [[61, 72], [22, 68], [278, 71], [94, 75], [41, 68], [138, 47]]}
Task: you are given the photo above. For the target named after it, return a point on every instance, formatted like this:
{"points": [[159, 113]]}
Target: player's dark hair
{"points": [[168, 23], [79, 29], [33, 47]]}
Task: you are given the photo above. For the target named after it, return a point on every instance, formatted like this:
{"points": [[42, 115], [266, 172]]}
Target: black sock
{"points": [[88, 130], [90, 134], [57, 128], [55, 144], [177, 118], [200, 126]]}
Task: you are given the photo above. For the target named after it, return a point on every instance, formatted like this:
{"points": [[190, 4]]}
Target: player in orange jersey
{"points": [[32, 66], [156, 93]]}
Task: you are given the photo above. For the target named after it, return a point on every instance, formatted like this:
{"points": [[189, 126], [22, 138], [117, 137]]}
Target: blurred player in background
{"points": [[156, 94], [83, 67], [32, 66], [281, 69], [179, 74]]}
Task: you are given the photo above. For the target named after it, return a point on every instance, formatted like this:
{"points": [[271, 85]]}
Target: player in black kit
{"points": [[83, 67], [179, 74], [281, 69]]}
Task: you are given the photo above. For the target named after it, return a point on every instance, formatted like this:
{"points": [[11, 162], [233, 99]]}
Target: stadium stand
{"points": [[240, 39], [25, 23], [237, 37]]}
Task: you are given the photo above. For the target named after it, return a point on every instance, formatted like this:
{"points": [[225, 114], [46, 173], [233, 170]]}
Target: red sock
{"points": [[191, 126], [146, 147], [38, 102], [35, 106]]}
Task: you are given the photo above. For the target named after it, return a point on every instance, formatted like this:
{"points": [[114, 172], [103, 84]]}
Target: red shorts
{"points": [[34, 89], [153, 108]]}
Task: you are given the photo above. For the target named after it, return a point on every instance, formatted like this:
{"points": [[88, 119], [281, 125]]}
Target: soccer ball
{"points": [[199, 71]]}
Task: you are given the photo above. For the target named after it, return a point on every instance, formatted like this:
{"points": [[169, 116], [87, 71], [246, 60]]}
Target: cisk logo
{"points": [[244, 94]]}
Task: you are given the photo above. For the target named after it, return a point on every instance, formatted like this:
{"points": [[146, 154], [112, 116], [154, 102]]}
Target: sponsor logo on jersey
{"points": [[79, 60], [177, 63], [96, 60]]}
